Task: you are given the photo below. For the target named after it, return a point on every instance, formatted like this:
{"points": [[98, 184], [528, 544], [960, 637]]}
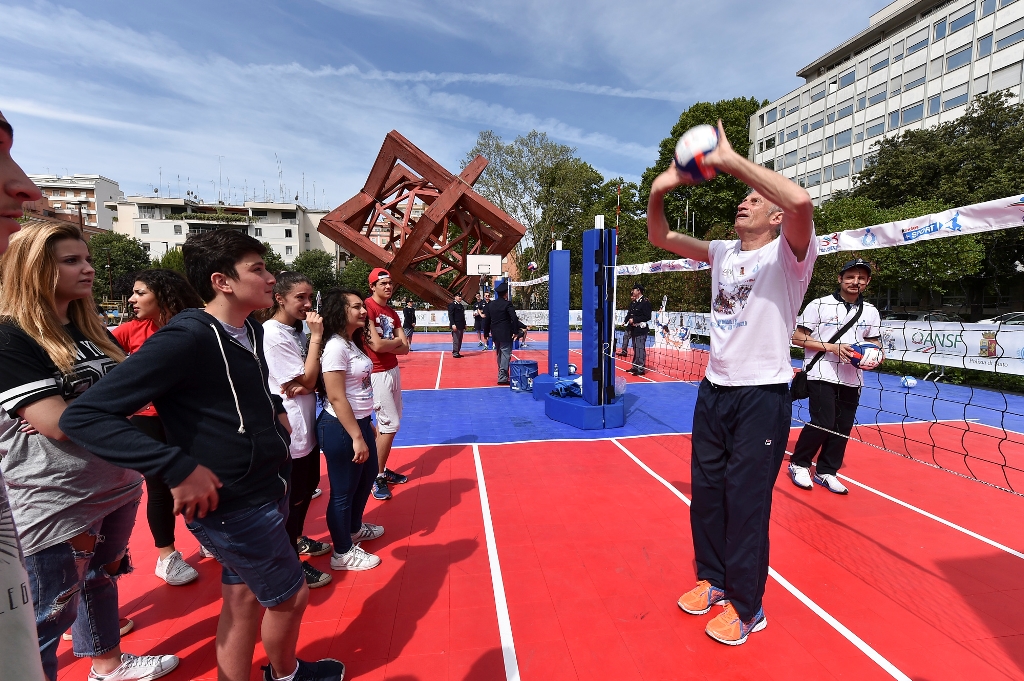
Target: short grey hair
{"points": [[772, 207]]}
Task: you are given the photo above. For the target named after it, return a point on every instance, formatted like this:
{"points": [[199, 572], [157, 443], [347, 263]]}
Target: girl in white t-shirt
{"points": [[294, 367], [346, 434]]}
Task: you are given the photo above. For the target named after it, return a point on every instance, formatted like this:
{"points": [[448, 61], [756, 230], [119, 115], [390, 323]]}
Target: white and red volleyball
{"points": [[531, 266], [693, 146]]}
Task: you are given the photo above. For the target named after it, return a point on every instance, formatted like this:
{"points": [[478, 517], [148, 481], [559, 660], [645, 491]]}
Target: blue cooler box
{"points": [[521, 373]]}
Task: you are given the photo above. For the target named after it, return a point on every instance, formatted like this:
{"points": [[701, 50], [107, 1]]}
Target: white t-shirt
{"points": [[823, 317], [285, 350], [756, 296], [342, 355]]}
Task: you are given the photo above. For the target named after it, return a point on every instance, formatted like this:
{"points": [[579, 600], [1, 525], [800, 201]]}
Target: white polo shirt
{"points": [[756, 296], [823, 317]]}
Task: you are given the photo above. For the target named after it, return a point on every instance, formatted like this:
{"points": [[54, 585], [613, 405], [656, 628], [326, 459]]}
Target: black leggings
{"points": [[305, 478], [160, 502]]}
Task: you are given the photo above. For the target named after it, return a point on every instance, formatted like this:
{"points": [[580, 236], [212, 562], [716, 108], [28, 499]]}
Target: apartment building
{"points": [[84, 195], [163, 224], [917, 64]]}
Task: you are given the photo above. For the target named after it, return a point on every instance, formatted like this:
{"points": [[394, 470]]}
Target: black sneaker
{"points": [[315, 578], [326, 669], [380, 489], [394, 478], [311, 547]]}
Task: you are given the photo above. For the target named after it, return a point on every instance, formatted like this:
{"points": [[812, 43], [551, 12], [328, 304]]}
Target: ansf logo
{"points": [[931, 340]]}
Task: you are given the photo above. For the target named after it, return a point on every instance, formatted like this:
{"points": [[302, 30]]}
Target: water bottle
{"points": [[555, 374]]}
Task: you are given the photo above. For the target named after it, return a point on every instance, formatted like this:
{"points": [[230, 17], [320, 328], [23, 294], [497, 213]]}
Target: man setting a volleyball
{"points": [[835, 378], [741, 420]]}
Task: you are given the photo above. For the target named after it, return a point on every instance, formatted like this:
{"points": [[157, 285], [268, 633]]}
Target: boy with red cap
{"points": [[386, 341]]}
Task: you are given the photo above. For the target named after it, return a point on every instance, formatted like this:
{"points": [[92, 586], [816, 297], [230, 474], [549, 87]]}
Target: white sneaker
{"points": [[801, 476], [367, 532], [139, 668], [831, 483], [354, 559], [174, 570], [204, 552]]}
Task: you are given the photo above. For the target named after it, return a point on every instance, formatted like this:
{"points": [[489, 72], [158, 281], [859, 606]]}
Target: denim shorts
{"points": [[252, 547]]}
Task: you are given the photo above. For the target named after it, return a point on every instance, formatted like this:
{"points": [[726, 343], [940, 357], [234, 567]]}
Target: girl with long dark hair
{"points": [[158, 295], [74, 511], [346, 434], [294, 365]]}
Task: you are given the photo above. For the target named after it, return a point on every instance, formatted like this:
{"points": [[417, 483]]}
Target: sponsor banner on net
{"points": [[985, 347]]}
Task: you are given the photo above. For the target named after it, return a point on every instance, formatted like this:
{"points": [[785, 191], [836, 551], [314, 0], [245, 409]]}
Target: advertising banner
{"points": [[984, 347]]}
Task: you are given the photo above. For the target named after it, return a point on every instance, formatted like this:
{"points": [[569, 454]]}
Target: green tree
{"points": [[713, 201], [354, 275], [974, 158], [116, 257], [318, 266], [512, 178], [171, 260], [273, 261]]}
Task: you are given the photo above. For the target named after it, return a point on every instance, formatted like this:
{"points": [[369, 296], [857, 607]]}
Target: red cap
{"points": [[378, 273]]}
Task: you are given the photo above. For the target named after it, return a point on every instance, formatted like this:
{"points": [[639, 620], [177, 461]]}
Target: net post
{"points": [[558, 324]]}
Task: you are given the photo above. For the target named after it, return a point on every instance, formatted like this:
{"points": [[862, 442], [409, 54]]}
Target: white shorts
{"points": [[387, 399]]}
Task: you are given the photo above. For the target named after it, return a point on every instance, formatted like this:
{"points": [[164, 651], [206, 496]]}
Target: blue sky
{"points": [[225, 88]]}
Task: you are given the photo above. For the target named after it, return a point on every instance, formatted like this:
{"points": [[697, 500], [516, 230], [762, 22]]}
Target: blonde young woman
{"points": [[74, 512]]}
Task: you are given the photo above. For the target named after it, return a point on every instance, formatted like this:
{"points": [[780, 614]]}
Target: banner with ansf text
{"points": [[984, 347]]}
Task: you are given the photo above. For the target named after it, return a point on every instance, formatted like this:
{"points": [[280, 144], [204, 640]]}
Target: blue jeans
{"points": [[72, 589], [350, 482], [253, 548]]}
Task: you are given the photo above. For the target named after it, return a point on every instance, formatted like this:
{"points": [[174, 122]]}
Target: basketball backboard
{"points": [[487, 265]]}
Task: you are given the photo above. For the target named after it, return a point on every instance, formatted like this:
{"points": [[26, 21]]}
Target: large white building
{"points": [[163, 224], [85, 194], [917, 64]]}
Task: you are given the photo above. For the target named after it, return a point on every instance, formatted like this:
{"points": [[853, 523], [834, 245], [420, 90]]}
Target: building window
{"points": [[307, 236], [962, 20], [769, 116], [987, 7], [981, 85], [814, 149], [1006, 77], [844, 109], [912, 113], [817, 123], [814, 179], [913, 78], [287, 250], [144, 228], [879, 61], [145, 247], [760, 121], [897, 52], [962, 57], [287, 215], [933, 105], [858, 135], [803, 129], [858, 164], [782, 137], [830, 144], [876, 94], [862, 102], [768, 143], [790, 160], [844, 138], [826, 174], [258, 230], [841, 170], [935, 67], [940, 31], [1011, 34], [1004, 3], [984, 46], [177, 229], [895, 84], [818, 94], [918, 41], [792, 105], [954, 97], [847, 79], [287, 234]]}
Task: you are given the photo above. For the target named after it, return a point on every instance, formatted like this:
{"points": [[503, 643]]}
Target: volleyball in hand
{"points": [[693, 146], [865, 356]]}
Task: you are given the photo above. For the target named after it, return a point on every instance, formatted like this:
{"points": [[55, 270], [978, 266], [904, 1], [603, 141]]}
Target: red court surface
{"points": [[593, 552]]}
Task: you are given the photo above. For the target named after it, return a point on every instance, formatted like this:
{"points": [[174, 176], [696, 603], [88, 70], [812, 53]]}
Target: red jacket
{"points": [[131, 335]]}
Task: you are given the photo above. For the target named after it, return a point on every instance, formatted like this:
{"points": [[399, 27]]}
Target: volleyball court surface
{"points": [[521, 546]]}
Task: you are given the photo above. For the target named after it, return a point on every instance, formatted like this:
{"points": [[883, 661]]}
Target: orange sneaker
{"points": [[700, 598], [729, 629]]}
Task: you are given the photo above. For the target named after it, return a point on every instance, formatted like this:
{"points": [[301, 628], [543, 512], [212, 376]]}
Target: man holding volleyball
{"points": [[741, 421], [833, 383]]}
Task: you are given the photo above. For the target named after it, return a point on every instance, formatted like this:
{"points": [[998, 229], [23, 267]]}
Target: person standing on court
{"points": [[409, 321], [741, 420], [501, 316], [637, 319], [383, 349], [457, 318], [478, 319], [833, 383]]}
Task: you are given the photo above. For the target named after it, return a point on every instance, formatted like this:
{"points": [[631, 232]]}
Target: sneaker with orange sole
{"points": [[700, 598], [729, 629]]}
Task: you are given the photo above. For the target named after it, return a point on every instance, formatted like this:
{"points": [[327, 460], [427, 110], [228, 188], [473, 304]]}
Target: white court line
{"points": [[877, 658], [440, 363], [508, 647]]}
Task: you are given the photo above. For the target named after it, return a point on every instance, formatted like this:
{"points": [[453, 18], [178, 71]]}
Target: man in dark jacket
{"points": [[409, 321], [457, 318], [637, 320], [503, 322], [226, 459]]}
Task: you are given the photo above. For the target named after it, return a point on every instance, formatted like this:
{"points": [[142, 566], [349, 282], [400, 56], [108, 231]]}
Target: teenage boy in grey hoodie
{"points": [[226, 459]]}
